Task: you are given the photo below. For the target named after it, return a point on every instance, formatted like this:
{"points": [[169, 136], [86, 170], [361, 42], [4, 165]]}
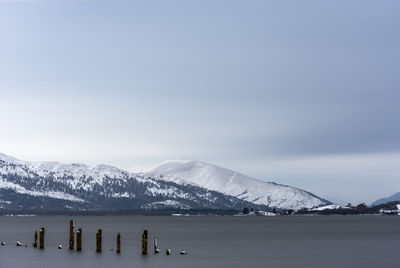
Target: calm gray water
{"points": [[316, 241]]}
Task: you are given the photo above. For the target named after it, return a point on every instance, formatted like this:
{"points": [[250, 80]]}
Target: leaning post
{"points": [[156, 250], [35, 241]]}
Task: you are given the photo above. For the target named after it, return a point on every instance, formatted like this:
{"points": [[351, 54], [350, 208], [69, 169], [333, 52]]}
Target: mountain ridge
{"points": [[58, 186], [236, 184], [392, 198], [82, 187]]}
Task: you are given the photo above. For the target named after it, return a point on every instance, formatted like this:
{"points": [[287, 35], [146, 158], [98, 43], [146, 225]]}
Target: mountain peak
{"points": [[233, 183], [7, 158]]}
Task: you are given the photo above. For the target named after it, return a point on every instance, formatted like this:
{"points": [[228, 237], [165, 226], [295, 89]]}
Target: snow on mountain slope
{"points": [[235, 184], [76, 174], [34, 185], [187, 183], [327, 207], [52, 194]]}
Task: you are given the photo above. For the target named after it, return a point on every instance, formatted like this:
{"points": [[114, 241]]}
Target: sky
{"points": [[303, 93]]}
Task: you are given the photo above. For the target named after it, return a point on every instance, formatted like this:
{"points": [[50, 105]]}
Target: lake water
{"points": [[289, 241]]}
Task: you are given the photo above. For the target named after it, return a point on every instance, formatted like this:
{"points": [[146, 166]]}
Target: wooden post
{"points": [[156, 250], [41, 238], [71, 234], [35, 241], [98, 240], [144, 242], [79, 239], [118, 243]]}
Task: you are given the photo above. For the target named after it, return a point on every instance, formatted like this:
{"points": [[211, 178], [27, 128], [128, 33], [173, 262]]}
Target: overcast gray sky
{"points": [[303, 93]]}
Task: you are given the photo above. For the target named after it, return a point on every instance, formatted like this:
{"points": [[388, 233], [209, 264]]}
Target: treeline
{"points": [[352, 210], [133, 212]]}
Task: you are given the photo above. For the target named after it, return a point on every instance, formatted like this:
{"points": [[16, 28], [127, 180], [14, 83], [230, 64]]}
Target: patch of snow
{"points": [[166, 203], [126, 194], [166, 192], [52, 194], [333, 206], [266, 213]]}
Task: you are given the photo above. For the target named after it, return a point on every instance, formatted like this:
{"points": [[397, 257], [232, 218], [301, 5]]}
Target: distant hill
{"points": [[232, 183], [392, 198], [182, 185], [56, 187]]}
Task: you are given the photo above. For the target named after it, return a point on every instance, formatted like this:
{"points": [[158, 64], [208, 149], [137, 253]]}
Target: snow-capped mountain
{"points": [[235, 184], [26, 185]]}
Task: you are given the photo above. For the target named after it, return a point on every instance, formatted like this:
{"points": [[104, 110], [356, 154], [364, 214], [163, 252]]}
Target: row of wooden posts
{"points": [[98, 240]]}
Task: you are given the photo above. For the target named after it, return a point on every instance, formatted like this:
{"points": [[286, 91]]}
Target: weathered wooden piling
{"points": [[118, 243], [71, 234], [79, 239], [35, 241], [41, 238], [98, 240], [144, 242]]}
